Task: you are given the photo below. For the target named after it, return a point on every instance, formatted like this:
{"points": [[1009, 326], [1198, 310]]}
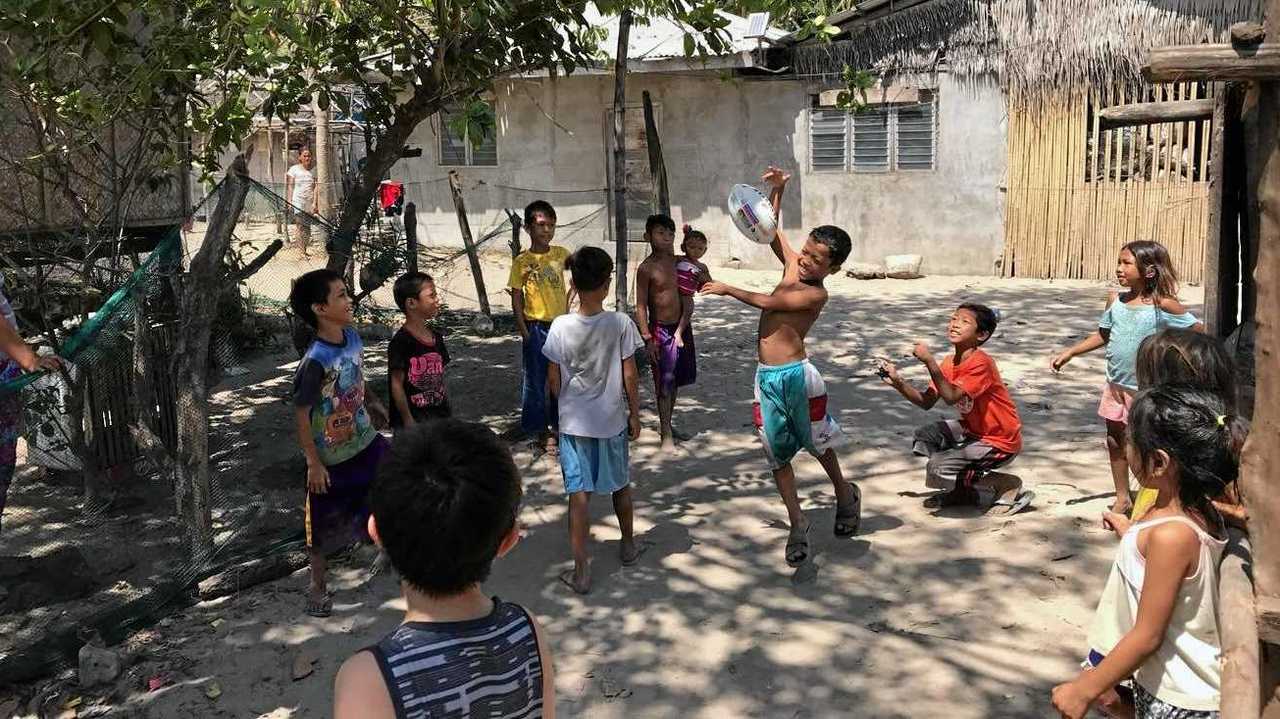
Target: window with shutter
{"points": [[828, 139], [871, 131], [915, 137], [460, 150]]}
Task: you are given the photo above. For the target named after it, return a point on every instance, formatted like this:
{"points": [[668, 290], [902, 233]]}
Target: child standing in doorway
{"points": [[1157, 617], [593, 373], [417, 355], [538, 296], [1149, 302]]}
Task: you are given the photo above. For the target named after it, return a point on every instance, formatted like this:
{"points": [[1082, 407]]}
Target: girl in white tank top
{"points": [[1157, 618]]}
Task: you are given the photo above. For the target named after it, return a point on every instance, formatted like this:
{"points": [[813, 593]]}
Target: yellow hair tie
{"points": [[1222, 420]]}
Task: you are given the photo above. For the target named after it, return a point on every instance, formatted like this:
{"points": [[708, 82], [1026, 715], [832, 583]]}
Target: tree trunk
{"points": [[621, 292], [324, 166], [390, 143], [204, 280]]}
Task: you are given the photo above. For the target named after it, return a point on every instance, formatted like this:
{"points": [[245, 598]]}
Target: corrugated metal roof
{"points": [[662, 38]]}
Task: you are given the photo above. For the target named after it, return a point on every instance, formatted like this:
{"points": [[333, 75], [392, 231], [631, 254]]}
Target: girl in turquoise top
{"points": [[1149, 304]]}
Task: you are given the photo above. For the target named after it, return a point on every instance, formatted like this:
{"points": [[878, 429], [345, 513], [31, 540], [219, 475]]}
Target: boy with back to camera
{"points": [[790, 395], [334, 416], [660, 314], [445, 505], [538, 296], [963, 455], [593, 374], [417, 355]]}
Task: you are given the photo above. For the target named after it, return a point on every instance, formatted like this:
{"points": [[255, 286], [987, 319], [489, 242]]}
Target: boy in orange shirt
{"points": [[963, 455]]}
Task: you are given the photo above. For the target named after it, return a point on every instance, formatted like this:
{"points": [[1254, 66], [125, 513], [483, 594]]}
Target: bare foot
{"points": [[580, 583], [668, 443], [630, 552]]}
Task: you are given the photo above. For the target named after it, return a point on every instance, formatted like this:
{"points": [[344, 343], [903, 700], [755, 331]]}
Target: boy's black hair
{"points": [[538, 206], [446, 495], [590, 268], [659, 221], [1196, 429], [409, 285], [311, 289], [837, 241], [986, 317]]}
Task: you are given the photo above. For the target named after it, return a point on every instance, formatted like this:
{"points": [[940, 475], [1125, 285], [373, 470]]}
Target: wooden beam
{"points": [[473, 256], [1214, 316], [1153, 113], [622, 291], [1212, 62]]}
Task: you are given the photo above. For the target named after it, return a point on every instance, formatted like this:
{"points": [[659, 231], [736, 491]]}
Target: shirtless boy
{"points": [[790, 396], [659, 313]]}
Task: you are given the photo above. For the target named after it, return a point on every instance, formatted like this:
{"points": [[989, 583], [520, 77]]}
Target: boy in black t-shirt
{"points": [[417, 355]]}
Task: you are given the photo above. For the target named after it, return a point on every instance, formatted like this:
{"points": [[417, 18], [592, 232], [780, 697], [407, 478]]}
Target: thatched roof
{"points": [[1033, 46]]}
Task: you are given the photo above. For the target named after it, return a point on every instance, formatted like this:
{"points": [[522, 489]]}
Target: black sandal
{"points": [[797, 551], [849, 517]]}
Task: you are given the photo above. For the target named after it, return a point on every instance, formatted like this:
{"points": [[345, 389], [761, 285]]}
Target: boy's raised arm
{"points": [[785, 302], [777, 181]]}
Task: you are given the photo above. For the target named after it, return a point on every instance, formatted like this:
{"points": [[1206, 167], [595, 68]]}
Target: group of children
{"points": [[447, 494]]}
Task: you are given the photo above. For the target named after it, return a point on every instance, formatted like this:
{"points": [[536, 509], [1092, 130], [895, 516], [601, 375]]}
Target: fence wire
{"points": [[90, 538]]}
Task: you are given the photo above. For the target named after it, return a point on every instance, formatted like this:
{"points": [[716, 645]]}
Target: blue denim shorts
{"points": [[592, 464]]}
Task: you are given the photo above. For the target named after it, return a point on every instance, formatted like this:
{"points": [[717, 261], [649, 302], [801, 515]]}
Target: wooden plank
{"points": [[1146, 113], [1212, 62], [1238, 630]]}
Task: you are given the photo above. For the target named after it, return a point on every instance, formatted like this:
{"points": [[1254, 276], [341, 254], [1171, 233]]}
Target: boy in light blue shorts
{"points": [[592, 373]]}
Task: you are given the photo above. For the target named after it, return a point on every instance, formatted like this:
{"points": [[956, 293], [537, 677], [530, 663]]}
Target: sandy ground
{"points": [[923, 614]]}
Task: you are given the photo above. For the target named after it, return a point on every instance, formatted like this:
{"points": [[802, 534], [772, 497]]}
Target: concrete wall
{"points": [[717, 132], [952, 215]]}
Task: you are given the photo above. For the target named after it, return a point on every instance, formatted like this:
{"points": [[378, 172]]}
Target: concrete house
{"points": [[918, 173]]}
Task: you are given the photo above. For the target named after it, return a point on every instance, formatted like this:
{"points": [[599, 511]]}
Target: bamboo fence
{"points": [[1077, 193]]}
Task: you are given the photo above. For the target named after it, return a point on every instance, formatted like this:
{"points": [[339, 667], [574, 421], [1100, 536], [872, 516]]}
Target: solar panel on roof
{"points": [[757, 24]]}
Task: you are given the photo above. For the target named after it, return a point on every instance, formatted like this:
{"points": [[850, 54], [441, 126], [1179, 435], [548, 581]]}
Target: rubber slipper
{"points": [[1020, 503], [954, 498], [847, 521], [320, 608]]}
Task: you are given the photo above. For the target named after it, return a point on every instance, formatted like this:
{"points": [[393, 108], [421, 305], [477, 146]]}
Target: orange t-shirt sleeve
{"points": [[975, 378]]}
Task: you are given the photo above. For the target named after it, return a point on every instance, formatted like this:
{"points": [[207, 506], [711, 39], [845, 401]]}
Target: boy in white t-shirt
{"points": [[593, 373], [300, 190]]}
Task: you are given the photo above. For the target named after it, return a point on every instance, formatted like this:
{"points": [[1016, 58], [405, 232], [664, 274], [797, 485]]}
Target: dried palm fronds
{"points": [[1033, 46]]}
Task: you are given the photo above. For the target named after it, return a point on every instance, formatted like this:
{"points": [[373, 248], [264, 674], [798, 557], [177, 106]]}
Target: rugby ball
{"points": [[752, 214]]}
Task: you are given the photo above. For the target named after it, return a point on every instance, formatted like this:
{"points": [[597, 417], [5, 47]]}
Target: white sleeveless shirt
{"points": [[1186, 670]]}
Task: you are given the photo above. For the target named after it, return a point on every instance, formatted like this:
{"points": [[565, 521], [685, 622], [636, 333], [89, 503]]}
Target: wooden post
{"points": [[1214, 259], [1262, 450], [657, 166], [621, 290], [455, 186], [1180, 63], [1241, 660], [516, 224], [411, 234]]}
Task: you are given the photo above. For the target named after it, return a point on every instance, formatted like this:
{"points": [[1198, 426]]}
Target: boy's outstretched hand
{"points": [[922, 353], [775, 177], [888, 372], [714, 288], [1059, 360]]}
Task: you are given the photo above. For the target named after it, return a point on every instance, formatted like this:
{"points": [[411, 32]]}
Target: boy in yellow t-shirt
{"points": [[538, 295]]}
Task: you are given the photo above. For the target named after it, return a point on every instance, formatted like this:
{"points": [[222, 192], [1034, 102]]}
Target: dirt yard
{"points": [[923, 614]]}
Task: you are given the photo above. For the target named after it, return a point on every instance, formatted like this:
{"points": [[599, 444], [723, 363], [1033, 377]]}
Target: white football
{"points": [[752, 214]]}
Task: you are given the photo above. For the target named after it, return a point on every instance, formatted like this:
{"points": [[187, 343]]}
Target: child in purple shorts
{"points": [[660, 315], [335, 421], [592, 372]]}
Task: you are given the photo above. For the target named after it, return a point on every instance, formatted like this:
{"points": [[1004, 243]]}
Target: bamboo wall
{"points": [[1143, 183]]}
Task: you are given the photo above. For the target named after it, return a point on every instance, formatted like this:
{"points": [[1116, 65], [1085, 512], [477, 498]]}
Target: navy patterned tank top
{"points": [[486, 667]]}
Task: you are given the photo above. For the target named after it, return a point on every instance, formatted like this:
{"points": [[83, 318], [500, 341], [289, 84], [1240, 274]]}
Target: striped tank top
{"points": [[486, 667]]}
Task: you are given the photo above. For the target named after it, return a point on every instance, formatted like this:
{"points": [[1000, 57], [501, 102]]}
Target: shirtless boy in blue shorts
{"points": [[791, 398]]}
